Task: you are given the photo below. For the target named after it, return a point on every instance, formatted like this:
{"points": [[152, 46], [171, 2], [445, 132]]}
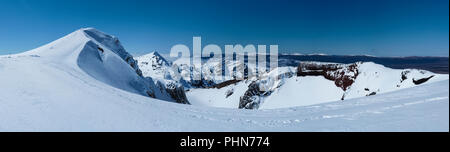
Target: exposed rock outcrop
{"points": [[159, 69], [404, 77], [177, 92], [420, 81], [252, 97], [263, 87], [343, 75], [226, 83]]}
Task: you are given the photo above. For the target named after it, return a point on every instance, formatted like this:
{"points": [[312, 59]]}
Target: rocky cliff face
{"points": [[173, 90], [114, 45], [343, 75], [262, 87], [210, 75], [252, 97], [159, 69], [213, 73]]}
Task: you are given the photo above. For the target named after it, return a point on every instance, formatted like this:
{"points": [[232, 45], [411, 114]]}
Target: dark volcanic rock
{"points": [[178, 95], [343, 75], [226, 83], [433, 64], [175, 91], [420, 81], [371, 94], [251, 98], [229, 93], [254, 95], [404, 77]]}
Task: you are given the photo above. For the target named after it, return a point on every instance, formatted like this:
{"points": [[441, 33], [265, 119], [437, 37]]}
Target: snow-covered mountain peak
{"points": [[79, 38], [154, 65], [154, 58], [101, 57]]}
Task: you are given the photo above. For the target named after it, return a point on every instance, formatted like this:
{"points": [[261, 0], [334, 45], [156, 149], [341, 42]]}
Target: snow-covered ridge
{"points": [[102, 57]]}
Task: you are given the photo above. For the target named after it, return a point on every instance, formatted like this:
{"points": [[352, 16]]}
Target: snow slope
{"points": [[300, 91], [227, 97], [95, 55], [50, 98], [66, 86], [285, 90], [379, 79], [291, 94]]}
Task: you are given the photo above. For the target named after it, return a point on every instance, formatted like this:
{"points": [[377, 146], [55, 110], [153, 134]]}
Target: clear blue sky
{"points": [[375, 27]]}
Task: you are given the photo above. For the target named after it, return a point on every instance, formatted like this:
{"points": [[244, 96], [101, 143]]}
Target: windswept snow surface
{"points": [[52, 89], [89, 51], [44, 97], [318, 90]]}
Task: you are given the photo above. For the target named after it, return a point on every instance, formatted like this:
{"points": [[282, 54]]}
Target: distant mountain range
{"points": [[433, 64], [429, 63]]}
